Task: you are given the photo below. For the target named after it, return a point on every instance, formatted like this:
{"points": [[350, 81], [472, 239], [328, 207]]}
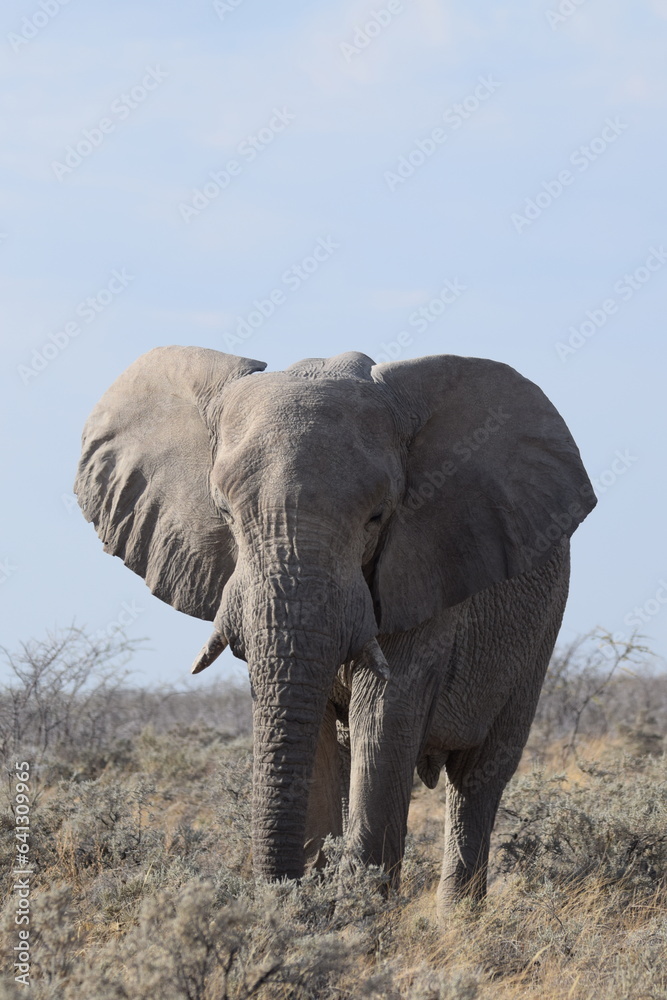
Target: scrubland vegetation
{"points": [[140, 843]]}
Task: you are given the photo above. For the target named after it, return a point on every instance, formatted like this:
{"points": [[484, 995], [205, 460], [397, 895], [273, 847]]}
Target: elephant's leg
{"points": [[382, 769], [476, 779], [475, 784], [325, 812], [388, 723], [477, 775]]}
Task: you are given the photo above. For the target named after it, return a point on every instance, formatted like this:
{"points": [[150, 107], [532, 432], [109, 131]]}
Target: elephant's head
{"points": [[305, 511]]}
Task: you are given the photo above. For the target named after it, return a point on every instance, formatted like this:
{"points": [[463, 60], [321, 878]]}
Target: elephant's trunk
{"points": [[291, 673], [295, 614]]}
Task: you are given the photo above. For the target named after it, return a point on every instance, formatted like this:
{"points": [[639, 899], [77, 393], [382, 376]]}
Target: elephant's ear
{"points": [[143, 477], [494, 482]]}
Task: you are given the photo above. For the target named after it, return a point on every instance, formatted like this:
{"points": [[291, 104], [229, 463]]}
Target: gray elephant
{"points": [[387, 546]]}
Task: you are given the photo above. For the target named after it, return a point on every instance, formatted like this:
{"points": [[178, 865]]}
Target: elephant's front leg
{"points": [[387, 723]]}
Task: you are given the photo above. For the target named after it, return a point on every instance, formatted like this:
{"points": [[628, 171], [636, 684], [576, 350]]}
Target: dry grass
{"points": [[144, 886]]}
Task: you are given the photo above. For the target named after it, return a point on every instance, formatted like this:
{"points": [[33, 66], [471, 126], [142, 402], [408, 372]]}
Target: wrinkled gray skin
{"points": [[427, 502]]}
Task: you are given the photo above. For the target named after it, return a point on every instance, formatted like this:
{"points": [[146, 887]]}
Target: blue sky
{"points": [[542, 194]]}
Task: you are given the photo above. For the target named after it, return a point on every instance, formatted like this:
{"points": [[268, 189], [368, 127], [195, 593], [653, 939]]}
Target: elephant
{"points": [[385, 545]]}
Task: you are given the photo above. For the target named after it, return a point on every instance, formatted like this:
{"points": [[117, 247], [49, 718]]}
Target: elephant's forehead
{"points": [[292, 404], [284, 432]]}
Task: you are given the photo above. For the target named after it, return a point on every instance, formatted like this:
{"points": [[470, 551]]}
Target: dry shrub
{"points": [[600, 688], [611, 823], [185, 944], [535, 936], [144, 884], [68, 707]]}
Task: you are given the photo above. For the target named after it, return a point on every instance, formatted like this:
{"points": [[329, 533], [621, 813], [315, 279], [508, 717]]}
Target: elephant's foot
{"points": [[356, 880], [460, 886]]}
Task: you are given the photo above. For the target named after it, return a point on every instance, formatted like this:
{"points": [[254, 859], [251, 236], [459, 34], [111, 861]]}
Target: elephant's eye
{"points": [[376, 516], [222, 506]]}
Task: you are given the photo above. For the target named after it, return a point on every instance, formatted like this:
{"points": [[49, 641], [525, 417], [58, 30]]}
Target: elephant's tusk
{"points": [[373, 658], [209, 652]]}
